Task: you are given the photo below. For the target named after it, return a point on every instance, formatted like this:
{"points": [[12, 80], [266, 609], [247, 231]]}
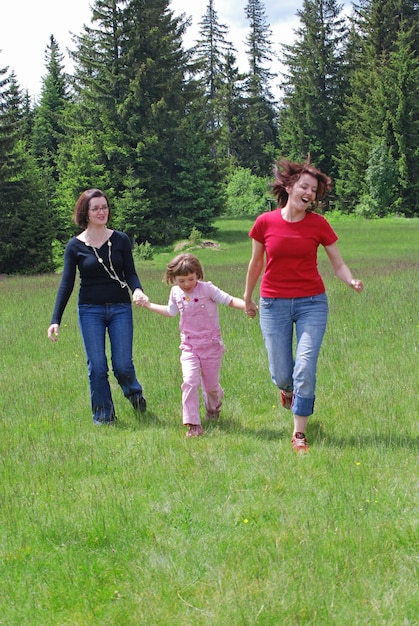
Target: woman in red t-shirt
{"points": [[293, 295]]}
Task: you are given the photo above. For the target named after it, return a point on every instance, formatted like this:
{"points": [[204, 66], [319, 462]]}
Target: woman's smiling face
{"points": [[304, 192]]}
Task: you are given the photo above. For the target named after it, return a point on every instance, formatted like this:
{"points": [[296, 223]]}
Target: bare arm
{"points": [[340, 268], [238, 303], [254, 270], [161, 309]]}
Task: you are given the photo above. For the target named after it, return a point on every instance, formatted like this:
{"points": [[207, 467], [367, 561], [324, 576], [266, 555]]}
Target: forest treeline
{"points": [[178, 136]]}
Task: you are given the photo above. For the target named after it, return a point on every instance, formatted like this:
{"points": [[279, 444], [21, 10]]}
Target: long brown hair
{"points": [[287, 173]]}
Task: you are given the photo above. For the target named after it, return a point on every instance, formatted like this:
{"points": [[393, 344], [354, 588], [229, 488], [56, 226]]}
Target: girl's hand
{"points": [[53, 332], [251, 309], [357, 285], [139, 298]]}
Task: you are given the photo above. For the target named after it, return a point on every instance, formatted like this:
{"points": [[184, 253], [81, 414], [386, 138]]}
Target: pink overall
{"points": [[202, 347]]}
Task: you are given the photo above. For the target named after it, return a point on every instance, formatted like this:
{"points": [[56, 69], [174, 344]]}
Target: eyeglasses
{"points": [[96, 209]]}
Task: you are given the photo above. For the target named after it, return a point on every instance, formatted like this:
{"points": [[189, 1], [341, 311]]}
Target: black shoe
{"points": [[139, 403], [109, 422]]}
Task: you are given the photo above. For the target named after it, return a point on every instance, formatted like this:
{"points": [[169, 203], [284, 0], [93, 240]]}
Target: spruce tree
{"points": [[132, 87], [382, 105], [47, 124], [260, 135], [211, 52], [314, 86], [26, 233]]}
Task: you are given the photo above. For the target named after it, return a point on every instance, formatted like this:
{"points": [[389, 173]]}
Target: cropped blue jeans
{"points": [[279, 317], [94, 321]]}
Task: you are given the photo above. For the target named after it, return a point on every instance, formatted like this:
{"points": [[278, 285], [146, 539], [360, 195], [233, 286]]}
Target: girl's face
{"points": [[186, 283]]}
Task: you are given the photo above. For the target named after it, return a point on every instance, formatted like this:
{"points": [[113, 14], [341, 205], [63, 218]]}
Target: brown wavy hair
{"points": [[287, 173], [182, 265]]}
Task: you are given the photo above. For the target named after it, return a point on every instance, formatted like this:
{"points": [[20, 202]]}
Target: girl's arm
{"points": [[340, 268], [254, 270], [161, 309], [237, 303]]}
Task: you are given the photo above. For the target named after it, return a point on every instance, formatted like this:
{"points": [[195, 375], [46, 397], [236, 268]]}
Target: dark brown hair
{"points": [[182, 265], [287, 173], [81, 210]]}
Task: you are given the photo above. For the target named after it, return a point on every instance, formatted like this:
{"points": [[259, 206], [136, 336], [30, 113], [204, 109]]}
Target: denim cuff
{"points": [[302, 406]]}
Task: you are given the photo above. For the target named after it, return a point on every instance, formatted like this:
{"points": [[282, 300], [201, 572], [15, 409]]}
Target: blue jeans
{"points": [[278, 318], [94, 320]]}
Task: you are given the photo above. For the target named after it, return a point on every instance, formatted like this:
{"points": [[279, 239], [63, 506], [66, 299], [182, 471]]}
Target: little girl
{"points": [[201, 343]]}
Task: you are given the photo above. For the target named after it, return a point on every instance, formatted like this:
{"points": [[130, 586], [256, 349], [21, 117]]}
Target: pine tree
{"points": [[260, 135], [78, 169], [101, 85], [47, 125], [314, 85], [25, 235], [131, 85], [210, 63], [382, 106], [233, 109]]}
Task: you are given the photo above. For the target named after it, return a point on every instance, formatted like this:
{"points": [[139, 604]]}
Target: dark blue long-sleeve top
{"points": [[96, 286]]}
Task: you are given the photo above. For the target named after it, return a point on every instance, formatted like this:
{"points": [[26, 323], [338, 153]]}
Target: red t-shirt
{"points": [[291, 253]]}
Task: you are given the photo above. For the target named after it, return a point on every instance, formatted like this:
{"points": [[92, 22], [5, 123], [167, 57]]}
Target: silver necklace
{"points": [[111, 270]]}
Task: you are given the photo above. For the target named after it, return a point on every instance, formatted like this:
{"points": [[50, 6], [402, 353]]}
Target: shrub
{"points": [[246, 193]]}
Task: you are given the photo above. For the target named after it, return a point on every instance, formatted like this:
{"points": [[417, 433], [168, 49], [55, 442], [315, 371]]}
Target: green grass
{"points": [[135, 525]]}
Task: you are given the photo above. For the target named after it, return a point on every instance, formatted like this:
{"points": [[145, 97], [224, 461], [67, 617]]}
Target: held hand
{"points": [[53, 332], [251, 309], [357, 285], [139, 298]]}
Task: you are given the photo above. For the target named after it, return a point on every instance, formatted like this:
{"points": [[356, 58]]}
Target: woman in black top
{"points": [[106, 267]]}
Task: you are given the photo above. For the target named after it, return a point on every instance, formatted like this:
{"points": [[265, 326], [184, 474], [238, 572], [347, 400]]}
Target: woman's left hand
{"points": [[356, 284], [139, 298]]}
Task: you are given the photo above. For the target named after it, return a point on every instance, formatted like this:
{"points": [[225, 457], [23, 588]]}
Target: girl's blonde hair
{"points": [[182, 265]]}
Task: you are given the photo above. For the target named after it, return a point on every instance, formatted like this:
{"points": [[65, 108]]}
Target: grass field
{"points": [[134, 525]]}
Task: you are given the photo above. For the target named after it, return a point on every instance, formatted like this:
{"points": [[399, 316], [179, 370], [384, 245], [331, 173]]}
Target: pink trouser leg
{"points": [[191, 371], [211, 388], [201, 365]]}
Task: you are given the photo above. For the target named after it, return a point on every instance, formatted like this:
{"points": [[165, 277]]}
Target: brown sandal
{"points": [[195, 430]]}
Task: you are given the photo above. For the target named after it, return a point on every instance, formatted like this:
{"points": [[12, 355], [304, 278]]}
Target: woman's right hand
{"points": [[53, 332], [251, 308]]}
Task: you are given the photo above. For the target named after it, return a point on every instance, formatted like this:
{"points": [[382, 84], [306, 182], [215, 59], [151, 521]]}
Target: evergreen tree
{"points": [[401, 120], [47, 125], [260, 136], [315, 84], [157, 104], [210, 63], [131, 85], [79, 169], [382, 105], [25, 235], [233, 108], [101, 87]]}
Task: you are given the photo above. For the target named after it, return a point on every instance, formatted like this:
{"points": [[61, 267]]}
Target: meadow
{"points": [[134, 525]]}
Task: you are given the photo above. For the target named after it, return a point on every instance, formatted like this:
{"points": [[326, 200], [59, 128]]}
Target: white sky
{"points": [[26, 26]]}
